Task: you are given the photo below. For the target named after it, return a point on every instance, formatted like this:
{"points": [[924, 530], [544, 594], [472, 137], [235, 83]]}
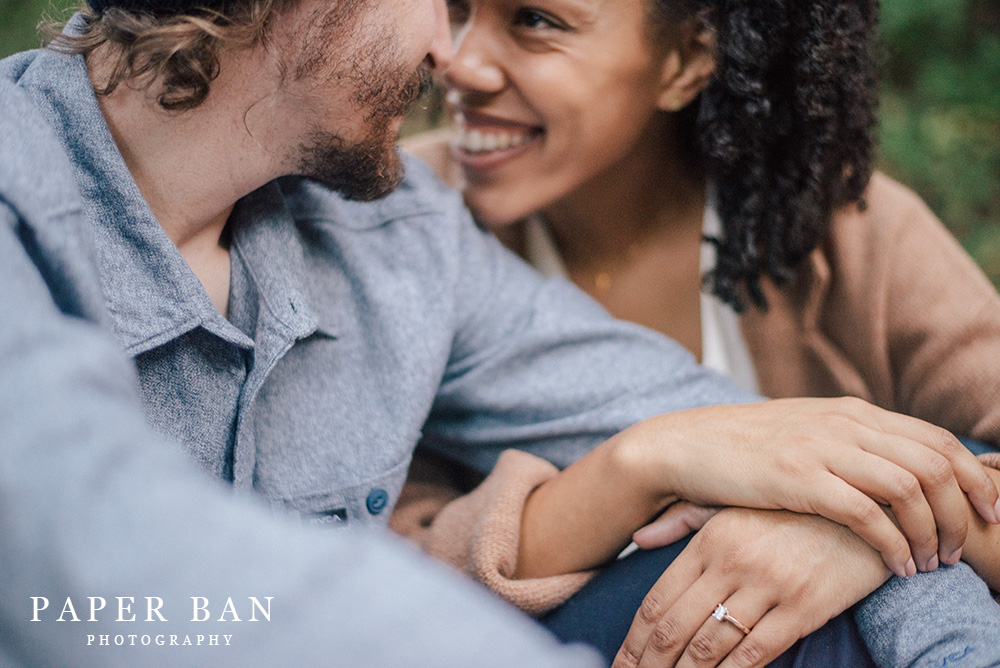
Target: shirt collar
{"points": [[152, 293], [267, 239]]}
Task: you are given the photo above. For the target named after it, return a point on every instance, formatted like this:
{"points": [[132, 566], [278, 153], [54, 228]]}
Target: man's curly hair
{"points": [[784, 129], [179, 50]]}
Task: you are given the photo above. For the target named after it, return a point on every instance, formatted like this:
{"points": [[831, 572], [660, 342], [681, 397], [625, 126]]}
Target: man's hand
{"points": [[781, 574], [839, 458], [676, 522]]}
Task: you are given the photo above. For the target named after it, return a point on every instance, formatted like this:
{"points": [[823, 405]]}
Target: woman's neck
{"points": [[653, 196], [632, 239]]}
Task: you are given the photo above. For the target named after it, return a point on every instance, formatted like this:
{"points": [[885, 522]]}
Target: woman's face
{"points": [[548, 97]]}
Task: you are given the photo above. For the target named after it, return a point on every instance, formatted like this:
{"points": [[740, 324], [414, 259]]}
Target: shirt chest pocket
{"points": [[369, 502]]}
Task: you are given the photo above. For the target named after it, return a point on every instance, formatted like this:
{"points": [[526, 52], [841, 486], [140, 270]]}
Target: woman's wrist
{"points": [[647, 456], [586, 514]]}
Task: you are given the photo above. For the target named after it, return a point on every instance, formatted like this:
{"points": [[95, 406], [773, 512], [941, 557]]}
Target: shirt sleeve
{"points": [[938, 618], [541, 373], [538, 366]]}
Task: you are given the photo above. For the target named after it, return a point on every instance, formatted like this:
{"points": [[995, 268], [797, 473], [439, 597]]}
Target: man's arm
{"points": [[539, 367]]}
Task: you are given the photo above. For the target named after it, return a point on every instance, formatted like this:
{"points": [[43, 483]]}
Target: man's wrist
{"points": [[982, 546]]}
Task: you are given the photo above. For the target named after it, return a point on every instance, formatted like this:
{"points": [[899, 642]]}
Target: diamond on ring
{"points": [[722, 614]]}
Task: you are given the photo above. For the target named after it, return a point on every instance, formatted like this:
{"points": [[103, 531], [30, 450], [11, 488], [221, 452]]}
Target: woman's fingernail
{"points": [[932, 563], [911, 568], [954, 558], [996, 512]]}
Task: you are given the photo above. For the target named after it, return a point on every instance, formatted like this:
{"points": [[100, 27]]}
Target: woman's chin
{"points": [[493, 209]]}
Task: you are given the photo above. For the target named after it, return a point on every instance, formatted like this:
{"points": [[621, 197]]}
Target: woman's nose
{"points": [[475, 66], [440, 53]]}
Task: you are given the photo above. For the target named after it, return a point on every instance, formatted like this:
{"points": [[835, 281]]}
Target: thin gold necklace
{"points": [[603, 279]]}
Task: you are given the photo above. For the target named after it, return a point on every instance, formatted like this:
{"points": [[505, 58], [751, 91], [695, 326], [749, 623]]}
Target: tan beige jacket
{"points": [[889, 309]]}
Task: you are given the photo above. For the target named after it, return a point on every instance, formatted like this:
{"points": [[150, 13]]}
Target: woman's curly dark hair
{"points": [[785, 128]]}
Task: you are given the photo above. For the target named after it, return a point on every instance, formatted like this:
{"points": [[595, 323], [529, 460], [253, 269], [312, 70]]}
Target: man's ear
{"points": [[688, 67]]}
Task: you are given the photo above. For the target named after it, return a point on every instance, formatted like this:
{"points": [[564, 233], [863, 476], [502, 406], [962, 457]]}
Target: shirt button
{"points": [[377, 498]]}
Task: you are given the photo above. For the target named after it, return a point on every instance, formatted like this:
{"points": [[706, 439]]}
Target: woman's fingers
{"points": [[676, 522], [979, 487], [758, 564], [775, 452], [721, 632], [901, 462], [841, 502], [940, 488], [913, 472], [911, 504], [965, 468]]}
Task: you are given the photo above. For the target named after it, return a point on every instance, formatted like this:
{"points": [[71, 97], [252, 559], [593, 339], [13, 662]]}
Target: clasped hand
{"points": [[842, 459], [782, 574]]}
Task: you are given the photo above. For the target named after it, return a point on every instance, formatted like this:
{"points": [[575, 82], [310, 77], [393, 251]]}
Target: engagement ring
{"points": [[722, 614]]}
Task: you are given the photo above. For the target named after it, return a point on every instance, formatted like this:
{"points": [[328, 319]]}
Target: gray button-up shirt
{"points": [[355, 330]]}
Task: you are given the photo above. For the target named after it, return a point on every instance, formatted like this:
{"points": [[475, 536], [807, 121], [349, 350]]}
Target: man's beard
{"points": [[363, 171], [371, 168]]}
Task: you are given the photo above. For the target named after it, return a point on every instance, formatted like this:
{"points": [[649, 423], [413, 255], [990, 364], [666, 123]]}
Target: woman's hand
{"points": [[781, 574], [839, 458]]}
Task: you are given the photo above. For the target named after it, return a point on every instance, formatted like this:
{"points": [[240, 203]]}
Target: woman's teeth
{"points": [[477, 141]]}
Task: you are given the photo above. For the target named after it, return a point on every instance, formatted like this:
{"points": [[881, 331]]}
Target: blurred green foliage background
{"points": [[940, 130], [19, 18]]}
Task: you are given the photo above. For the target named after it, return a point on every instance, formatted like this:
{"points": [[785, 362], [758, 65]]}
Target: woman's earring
{"points": [[671, 103]]}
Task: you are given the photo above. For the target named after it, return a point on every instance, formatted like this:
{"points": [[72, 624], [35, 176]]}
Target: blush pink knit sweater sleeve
{"points": [[479, 532]]}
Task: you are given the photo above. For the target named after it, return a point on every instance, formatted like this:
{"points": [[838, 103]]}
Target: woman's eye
{"points": [[458, 11], [533, 18]]}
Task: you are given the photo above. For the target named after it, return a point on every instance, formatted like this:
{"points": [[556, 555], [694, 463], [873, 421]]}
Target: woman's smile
{"points": [[481, 142]]}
